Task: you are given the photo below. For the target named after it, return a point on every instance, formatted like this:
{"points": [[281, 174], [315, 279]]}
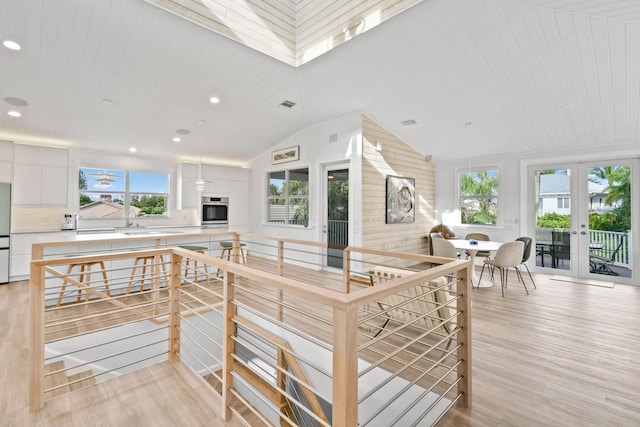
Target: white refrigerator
{"points": [[5, 227]]}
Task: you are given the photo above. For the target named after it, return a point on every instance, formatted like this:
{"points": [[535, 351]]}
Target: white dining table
{"points": [[481, 245]]}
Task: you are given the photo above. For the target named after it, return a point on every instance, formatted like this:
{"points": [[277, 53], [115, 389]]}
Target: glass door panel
{"points": [[608, 226], [553, 196], [337, 215]]}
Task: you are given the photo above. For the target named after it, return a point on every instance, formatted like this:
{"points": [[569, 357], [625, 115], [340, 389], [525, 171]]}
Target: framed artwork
{"points": [[400, 200], [285, 155]]}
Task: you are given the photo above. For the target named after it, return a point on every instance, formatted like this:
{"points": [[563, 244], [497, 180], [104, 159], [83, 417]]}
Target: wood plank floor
{"points": [[566, 355]]}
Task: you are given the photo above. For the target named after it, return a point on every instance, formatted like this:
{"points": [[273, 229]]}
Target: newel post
{"points": [[464, 336], [36, 338], [229, 344], [345, 366], [174, 307]]}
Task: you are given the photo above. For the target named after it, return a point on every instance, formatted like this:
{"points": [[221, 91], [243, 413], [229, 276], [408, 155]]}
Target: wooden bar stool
{"points": [[227, 247], [149, 259], [85, 278], [199, 249]]}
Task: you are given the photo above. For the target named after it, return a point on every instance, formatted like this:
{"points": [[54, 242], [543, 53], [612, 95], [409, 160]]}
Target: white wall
{"points": [[315, 150]]}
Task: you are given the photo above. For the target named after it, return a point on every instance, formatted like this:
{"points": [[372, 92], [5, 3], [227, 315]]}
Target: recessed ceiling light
{"points": [[214, 99], [133, 149], [10, 44], [14, 113], [176, 139]]}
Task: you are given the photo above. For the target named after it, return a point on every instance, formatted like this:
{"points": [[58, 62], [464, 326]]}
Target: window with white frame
{"points": [[563, 203], [116, 194], [479, 196], [288, 197]]}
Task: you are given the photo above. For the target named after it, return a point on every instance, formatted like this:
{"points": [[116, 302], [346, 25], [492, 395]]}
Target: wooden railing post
{"points": [[229, 346], [346, 268], [279, 314], [36, 338], [345, 366], [174, 307], [235, 252], [464, 335]]}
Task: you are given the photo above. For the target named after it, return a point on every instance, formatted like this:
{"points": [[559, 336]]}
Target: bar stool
{"points": [[201, 250], [85, 273], [145, 259], [227, 247]]}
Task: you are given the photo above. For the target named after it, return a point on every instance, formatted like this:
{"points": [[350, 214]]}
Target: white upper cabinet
{"points": [[40, 176]]}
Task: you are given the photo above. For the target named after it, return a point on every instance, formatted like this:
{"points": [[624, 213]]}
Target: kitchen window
{"points": [[479, 196], [116, 194], [288, 197]]}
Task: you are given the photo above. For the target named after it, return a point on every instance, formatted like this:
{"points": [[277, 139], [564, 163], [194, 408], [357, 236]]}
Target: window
{"points": [[563, 203], [288, 197], [479, 197], [116, 194]]}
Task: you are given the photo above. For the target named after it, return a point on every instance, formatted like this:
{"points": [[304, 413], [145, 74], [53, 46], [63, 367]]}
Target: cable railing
{"points": [[279, 339]]}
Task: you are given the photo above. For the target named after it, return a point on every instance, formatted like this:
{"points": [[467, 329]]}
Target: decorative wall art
{"points": [[400, 200], [285, 155]]}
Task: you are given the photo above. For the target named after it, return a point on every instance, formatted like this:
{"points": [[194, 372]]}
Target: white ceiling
{"points": [[531, 75]]}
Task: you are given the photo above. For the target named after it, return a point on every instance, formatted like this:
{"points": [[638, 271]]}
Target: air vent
{"points": [[183, 131], [408, 122], [287, 104]]}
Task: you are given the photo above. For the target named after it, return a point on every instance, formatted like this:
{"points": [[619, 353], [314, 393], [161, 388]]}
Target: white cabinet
{"points": [[40, 176], [239, 208]]}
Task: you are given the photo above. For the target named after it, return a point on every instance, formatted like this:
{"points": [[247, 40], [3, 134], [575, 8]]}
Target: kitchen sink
{"points": [[135, 232]]}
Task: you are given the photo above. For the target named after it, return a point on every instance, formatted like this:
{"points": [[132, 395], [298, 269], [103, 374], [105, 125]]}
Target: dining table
{"points": [[473, 247]]}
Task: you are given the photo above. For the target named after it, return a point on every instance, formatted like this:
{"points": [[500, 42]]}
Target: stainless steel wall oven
{"points": [[215, 211]]}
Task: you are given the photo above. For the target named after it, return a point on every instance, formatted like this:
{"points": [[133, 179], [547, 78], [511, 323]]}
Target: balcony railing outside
{"points": [[294, 344]]}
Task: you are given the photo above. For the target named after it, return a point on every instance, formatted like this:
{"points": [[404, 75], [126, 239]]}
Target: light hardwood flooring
{"points": [[566, 355]]}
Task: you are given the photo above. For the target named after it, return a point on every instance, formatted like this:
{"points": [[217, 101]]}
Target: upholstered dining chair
{"points": [[478, 236], [526, 254], [444, 248], [509, 255]]}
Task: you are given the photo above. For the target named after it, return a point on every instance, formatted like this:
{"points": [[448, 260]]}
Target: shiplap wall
{"points": [[399, 159]]}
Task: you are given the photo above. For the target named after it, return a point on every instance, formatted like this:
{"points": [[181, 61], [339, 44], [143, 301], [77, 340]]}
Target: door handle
{"points": [[574, 232]]}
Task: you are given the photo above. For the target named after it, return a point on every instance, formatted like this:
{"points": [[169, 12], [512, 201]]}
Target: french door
{"points": [[582, 219], [336, 213]]}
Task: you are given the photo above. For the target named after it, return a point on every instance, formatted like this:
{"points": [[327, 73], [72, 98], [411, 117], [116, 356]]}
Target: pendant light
{"points": [[199, 182]]}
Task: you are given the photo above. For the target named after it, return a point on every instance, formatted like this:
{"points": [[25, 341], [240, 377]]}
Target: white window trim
{"points": [[475, 168]]}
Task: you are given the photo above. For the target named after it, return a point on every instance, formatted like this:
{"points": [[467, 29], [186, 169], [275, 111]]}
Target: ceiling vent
{"points": [[287, 104], [408, 122]]}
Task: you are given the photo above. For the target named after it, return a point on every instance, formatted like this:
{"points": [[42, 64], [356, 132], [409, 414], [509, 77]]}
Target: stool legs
{"points": [[145, 259], [85, 273], [227, 251], [195, 269]]}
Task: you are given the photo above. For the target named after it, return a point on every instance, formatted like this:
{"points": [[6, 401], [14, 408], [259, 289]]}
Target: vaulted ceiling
{"points": [[533, 76]]}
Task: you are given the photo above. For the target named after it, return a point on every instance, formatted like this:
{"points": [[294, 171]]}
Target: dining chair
{"points": [[560, 247], [526, 254], [509, 255], [482, 237], [444, 248]]}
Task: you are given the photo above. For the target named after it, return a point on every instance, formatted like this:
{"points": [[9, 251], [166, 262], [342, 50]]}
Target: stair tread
{"points": [[86, 377], [56, 379]]}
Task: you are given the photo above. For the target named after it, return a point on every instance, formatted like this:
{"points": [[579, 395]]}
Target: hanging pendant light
{"points": [[199, 182]]}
